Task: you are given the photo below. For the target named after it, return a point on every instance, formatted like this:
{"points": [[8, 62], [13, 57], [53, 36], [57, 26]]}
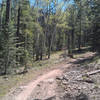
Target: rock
{"points": [[38, 85], [59, 78], [82, 96], [64, 82], [51, 98], [89, 81], [65, 77], [23, 87], [6, 78], [67, 96], [50, 81]]}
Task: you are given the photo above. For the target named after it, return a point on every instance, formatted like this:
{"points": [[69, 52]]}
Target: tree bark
{"points": [[18, 22], [80, 35], [7, 19], [8, 4]]}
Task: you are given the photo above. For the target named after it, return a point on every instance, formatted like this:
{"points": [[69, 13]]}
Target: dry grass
{"points": [[12, 81]]}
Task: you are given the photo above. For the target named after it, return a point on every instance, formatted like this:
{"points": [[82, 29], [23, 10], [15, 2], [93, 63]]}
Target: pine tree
{"points": [[96, 25]]}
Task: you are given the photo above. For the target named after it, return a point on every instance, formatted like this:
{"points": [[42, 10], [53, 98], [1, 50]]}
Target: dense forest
{"points": [[29, 32]]}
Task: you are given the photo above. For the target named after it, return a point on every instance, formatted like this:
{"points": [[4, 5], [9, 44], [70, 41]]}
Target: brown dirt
{"points": [[44, 86]]}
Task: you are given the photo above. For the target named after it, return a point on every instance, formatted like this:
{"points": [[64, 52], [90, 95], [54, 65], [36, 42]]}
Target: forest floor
{"points": [[68, 79], [11, 82]]}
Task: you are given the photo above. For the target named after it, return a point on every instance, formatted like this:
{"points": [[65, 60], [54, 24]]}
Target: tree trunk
{"points": [[1, 17], [41, 55], [17, 32], [37, 55], [7, 19], [8, 4], [73, 39], [25, 50], [49, 47], [70, 54], [80, 35], [68, 44], [79, 42], [18, 22]]}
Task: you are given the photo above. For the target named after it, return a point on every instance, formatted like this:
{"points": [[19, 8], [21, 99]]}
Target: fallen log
{"points": [[89, 73], [93, 72], [86, 75]]}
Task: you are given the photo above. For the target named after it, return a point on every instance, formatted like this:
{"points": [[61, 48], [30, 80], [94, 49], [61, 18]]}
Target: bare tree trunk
{"points": [[37, 55], [68, 43], [8, 4], [41, 55], [17, 32], [37, 47], [70, 53], [7, 19], [49, 47], [80, 35], [25, 52], [1, 16], [18, 22], [73, 39]]}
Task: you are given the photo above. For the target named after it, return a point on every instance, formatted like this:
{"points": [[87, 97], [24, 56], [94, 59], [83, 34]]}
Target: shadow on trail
{"points": [[88, 60], [82, 51], [76, 52]]}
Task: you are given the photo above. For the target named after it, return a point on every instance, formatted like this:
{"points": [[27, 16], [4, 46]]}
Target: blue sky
{"points": [[71, 1], [32, 1]]}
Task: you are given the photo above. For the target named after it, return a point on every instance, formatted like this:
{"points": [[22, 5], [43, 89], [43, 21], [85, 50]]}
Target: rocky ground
{"points": [[79, 82], [77, 85], [76, 79]]}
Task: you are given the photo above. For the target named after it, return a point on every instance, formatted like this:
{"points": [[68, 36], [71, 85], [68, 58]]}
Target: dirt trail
{"points": [[26, 93], [43, 82], [50, 76]]}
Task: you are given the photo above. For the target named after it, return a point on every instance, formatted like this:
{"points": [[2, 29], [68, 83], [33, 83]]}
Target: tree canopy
{"points": [[29, 32]]}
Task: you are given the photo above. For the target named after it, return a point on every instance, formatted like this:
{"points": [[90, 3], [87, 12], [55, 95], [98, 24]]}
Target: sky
{"points": [[63, 8], [32, 1]]}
